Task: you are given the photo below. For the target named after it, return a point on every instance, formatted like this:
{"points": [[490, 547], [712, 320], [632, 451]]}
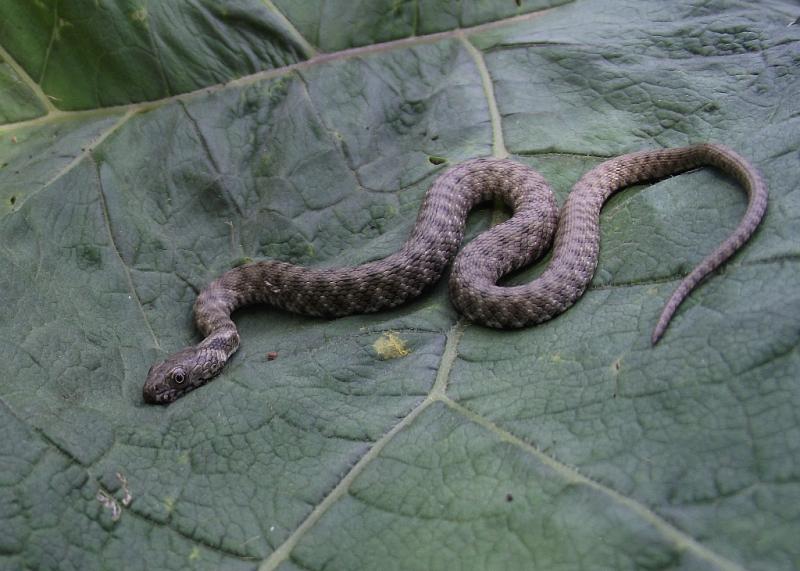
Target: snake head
{"points": [[173, 377]]}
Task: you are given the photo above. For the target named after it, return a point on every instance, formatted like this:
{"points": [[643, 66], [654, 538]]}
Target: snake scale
{"points": [[437, 234]]}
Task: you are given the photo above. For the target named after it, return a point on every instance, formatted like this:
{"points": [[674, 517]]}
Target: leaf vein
{"points": [[125, 268]]}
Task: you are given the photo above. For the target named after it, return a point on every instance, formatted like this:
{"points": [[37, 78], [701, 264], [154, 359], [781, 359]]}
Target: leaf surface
{"points": [[146, 148]]}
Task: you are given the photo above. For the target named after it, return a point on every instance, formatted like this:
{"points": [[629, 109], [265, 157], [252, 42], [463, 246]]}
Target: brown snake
{"points": [[525, 237]]}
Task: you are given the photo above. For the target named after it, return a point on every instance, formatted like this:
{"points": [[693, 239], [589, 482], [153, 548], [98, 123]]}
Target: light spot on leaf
{"points": [[110, 504], [139, 15], [127, 497], [194, 554], [241, 261], [265, 163], [390, 346]]}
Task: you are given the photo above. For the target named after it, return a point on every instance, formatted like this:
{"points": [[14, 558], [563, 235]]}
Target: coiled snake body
{"points": [[525, 237]]}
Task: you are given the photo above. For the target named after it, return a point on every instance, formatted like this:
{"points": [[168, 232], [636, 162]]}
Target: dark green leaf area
{"points": [[87, 55], [19, 102]]}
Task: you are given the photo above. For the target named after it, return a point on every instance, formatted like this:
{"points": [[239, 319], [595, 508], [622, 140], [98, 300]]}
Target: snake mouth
{"points": [[153, 397], [165, 395]]}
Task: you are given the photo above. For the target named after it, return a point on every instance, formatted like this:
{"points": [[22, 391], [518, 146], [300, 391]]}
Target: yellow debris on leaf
{"points": [[390, 346]]}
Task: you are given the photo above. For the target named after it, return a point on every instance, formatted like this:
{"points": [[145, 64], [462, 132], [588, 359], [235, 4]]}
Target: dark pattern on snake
{"points": [[525, 237]]}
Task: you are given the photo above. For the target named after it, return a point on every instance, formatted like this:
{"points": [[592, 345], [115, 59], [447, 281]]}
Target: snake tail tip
{"points": [[658, 333]]}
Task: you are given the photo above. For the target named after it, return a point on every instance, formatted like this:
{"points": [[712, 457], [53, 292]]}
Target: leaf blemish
{"points": [[390, 346], [110, 504], [139, 15], [127, 497], [437, 160]]}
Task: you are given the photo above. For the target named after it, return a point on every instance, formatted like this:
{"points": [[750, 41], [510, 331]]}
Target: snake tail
{"points": [[734, 165]]}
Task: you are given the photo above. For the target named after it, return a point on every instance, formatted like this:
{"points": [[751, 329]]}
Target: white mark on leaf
{"points": [[127, 498], [110, 504]]}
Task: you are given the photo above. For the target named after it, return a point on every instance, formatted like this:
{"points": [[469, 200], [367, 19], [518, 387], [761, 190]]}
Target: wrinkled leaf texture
{"points": [[146, 147]]}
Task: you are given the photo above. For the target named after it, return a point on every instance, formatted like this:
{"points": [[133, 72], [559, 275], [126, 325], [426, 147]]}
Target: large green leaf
{"points": [[149, 146]]}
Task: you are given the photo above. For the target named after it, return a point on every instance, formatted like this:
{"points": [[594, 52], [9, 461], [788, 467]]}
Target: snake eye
{"points": [[178, 376]]}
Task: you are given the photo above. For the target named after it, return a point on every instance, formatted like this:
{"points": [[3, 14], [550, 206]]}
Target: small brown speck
{"points": [[272, 355], [14, 139], [509, 498]]}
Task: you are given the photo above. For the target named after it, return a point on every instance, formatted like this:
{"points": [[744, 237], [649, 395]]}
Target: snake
{"points": [[535, 225]]}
